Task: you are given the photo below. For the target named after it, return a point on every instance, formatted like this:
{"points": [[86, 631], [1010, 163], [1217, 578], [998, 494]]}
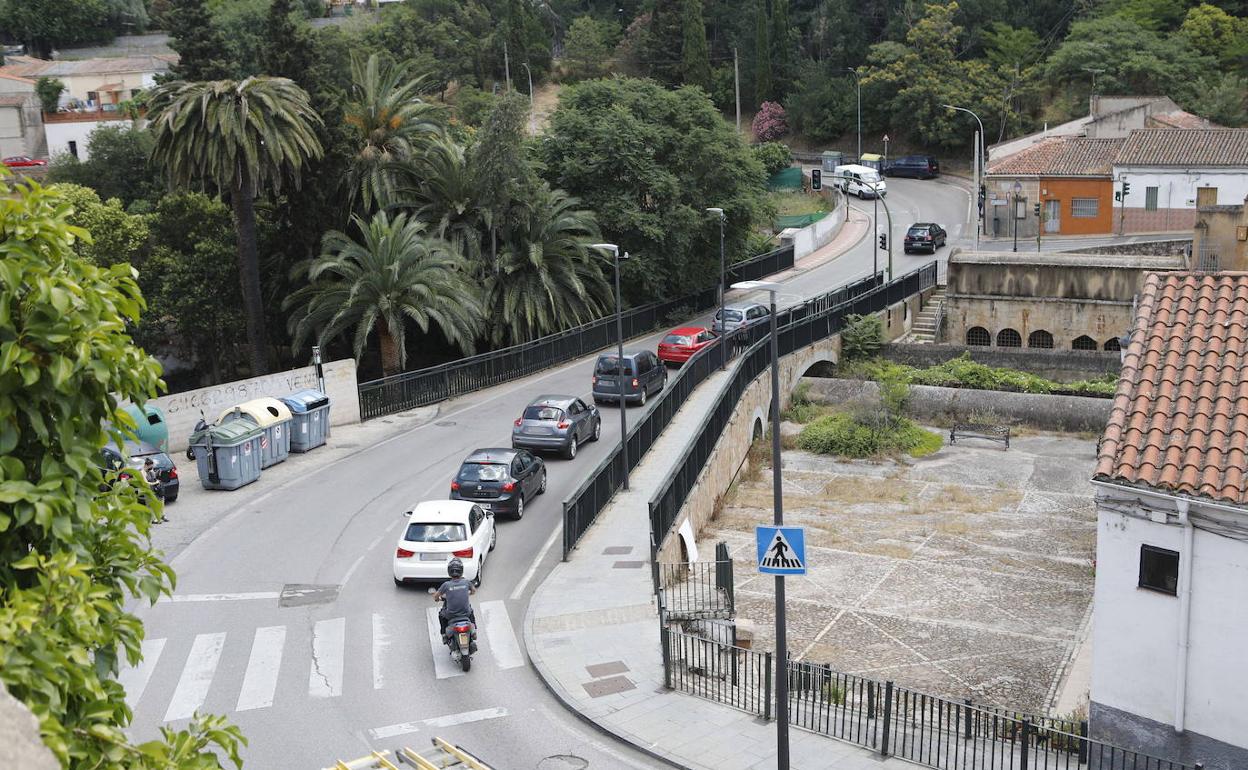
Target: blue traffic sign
{"points": [[781, 550]]}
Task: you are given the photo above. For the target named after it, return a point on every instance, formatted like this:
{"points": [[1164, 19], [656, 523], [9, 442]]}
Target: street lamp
{"points": [[723, 282], [1018, 189], [979, 162], [530, 74], [782, 652], [617, 258], [858, 79]]}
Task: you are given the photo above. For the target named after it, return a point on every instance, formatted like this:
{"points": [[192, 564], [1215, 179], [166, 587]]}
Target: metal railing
{"points": [[723, 673], [697, 590], [430, 385]]}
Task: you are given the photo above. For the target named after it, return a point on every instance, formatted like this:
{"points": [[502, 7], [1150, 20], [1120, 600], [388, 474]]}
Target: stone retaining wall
{"points": [[1058, 365]]}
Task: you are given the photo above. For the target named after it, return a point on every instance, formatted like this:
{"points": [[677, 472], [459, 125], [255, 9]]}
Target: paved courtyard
{"points": [[966, 574]]}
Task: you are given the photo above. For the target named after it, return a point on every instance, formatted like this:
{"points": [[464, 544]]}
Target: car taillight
{"points": [[403, 553], [173, 473], [454, 486], [635, 383], [509, 487], [123, 477], [464, 554], [595, 380], [564, 424], [518, 421]]}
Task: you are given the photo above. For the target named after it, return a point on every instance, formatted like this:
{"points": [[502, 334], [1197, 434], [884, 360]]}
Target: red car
{"points": [[22, 161], [680, 344]]}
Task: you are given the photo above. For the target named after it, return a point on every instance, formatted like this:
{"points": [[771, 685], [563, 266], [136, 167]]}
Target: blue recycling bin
{"points": [[309, 425]]}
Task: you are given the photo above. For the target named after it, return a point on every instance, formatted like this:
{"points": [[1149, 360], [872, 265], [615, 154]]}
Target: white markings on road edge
{"points": [[381, 642], [498, 635], [443, 666], [541, 556], [196, 678], [451, 720], [260, 680], [134, 679], [221, 597], [328, 643]]}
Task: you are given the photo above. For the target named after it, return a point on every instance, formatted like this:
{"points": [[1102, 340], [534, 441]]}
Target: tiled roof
{"points": [[1185, 147], [1061, 156], [29, 67], [1178, 119], [1179, 422]]}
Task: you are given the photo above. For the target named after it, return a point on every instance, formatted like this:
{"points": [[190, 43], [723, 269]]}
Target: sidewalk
{"points": [[592, 626]]}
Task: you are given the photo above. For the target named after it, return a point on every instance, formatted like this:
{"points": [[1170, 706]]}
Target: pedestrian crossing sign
{"points": [[781, 550]]}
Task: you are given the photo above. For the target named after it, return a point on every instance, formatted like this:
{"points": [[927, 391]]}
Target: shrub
{"points": [[867, 434], [861, 337], [770, 123], [962, 372], [49, 91], [774, 156]]}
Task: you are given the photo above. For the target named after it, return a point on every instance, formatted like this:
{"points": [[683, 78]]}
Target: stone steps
{"points": [[923, 328]]}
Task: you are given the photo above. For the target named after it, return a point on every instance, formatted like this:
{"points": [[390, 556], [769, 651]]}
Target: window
{"points": [[1008, 338], [1040, 339], [435, 533], [543, 413], [1206, 196], [731, 315], [676, 339], [1159, 569], [1084, 208], [978, 335], [1083, 343], [1150, 198], [73, 149], [1113, 344], [609, 365], [482, 471]]}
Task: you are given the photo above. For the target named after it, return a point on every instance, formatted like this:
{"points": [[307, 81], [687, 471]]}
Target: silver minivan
{"points": [[644, 375], [738, 315]]}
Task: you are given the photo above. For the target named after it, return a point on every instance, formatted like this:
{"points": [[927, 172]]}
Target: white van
{"points": [[862, 181]]}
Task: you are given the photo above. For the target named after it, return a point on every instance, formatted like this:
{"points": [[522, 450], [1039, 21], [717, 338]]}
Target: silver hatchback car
{"points": [[738, 315], [556, 423]]}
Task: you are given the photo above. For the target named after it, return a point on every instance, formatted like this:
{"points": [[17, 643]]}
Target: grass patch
{"points": [[962, 372], [792, 204], [853, 490], [801, 409], [863, 436]]}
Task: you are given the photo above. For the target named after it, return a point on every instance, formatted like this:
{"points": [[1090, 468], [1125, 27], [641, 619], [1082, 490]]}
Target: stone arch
{"points": [[979, 336], [1083, 342], [1113, 343], [1008, 338], [1040, 339]]}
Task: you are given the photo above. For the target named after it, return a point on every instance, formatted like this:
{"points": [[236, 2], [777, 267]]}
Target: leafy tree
{"points": [[500, 167], [667, 156], [117, 236], [762, 55], [784, 44], [1152, 15], [49, 91], [1214, 32], [202, 52], [587, 47], [774, 156], [242, 24], [208, 133], [770, 122], [288, 49], [664, 42], [129, 16], [1135, 60], [394, 272], [75, 554], [1008, 47], [118, 166], [822, 105], [696, 62], [472, 106], [547, 280], [1222, 98], [441, 190], [44, 25]]}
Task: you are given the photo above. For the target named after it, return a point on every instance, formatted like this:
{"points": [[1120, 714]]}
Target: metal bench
{"points": [[998, 433]]}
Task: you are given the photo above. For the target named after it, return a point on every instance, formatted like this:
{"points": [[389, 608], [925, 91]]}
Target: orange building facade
{"points": [[1074, 206]]}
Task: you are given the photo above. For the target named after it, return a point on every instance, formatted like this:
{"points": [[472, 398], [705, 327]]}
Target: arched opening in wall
{"points": [[1040, 339], [1113, 344], [758, 430], [978, 335], [1008, 338], [1083, 342]]}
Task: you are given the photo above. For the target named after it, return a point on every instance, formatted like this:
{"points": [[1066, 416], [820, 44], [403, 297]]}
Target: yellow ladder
{"points": [[376, 760], [443, 756]]}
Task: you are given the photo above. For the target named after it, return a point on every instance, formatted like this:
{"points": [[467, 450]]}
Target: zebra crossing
{"points": [[274, 650]]}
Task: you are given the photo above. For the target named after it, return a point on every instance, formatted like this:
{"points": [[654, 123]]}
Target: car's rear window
{"points": [[611, 365], [677, 339], [732, 315], [434, 533], [482, 471], [917, 231], [543, 413]]}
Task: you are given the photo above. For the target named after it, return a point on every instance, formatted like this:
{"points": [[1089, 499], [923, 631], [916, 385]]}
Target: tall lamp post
{"points": [[1018, 189], [858, 79], [723, 283], [617, 257], [782, 652], [979, 164]]}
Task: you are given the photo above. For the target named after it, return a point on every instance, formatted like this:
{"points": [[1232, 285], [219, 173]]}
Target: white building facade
{"points": [[1168, 173]]}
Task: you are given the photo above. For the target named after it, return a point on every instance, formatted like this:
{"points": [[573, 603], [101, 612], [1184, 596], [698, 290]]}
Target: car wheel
{"points": [[398, 582], [519, 514], [570, 452], [480, 574], [642, 402], [597, 430], [173, 499], [493, 539], [541, 490]]}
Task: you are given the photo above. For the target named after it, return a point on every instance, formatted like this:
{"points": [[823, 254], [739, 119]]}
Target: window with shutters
{"points": [[1150, 198]]}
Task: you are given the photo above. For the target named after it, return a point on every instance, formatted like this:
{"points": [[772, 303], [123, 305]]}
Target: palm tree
{"points": [[390, 120], [439, 188], [547, 280], [393, 273], [244, 137]]}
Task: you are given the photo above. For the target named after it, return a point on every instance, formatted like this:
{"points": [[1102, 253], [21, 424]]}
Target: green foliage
{"points": [[775, 156], [862, 337], [1215, 33], [822, 105], [74, 554], [1223, 98], [288, 50], [1135, 60], [44, 25], [501, 169], [243, 25], [201, 48], [117, 236], [866, 435], [962, 372], [1008, 47], [587, 46], [49, 91], [649, 161], [664, 42], [472, 105], [695, 56], [1152, 15], [118, 166], [762, 55]]}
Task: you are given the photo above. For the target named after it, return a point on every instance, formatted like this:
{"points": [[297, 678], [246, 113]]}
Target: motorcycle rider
{"points": [[454, 595]]}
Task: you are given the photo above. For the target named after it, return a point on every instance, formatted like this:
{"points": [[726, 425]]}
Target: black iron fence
{"points": [[438, 383], [699, 590]]}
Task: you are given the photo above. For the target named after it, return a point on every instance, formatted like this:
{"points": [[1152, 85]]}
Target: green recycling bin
{"points": [[227, 455], [152, 428], [273, 419]]}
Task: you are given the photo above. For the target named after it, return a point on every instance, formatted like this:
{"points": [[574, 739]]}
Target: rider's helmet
{"points": [[455, 569]]}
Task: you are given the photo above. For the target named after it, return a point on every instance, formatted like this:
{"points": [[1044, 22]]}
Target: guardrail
{"points": [[430, 385]]}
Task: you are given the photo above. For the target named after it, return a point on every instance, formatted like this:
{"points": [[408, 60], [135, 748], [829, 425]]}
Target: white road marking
{"points": [[196, 678], [451, 720], [443, 666], [260, 680], [135, 678], [328, 645], [498, 635], [221, 597], [381, 643], [537, 561], [354, 566]]}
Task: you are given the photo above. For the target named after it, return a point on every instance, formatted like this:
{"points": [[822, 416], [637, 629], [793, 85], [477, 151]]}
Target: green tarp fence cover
{"points": [[798, 220], [788, 179]]}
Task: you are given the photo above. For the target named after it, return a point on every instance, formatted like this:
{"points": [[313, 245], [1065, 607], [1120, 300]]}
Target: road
{"points": [[286, 617]]}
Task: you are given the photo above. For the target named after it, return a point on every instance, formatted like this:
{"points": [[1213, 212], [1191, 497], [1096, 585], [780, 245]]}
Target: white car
{"points": [[438, 531]]}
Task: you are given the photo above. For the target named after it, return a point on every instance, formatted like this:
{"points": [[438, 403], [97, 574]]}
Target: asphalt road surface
{"points": [[286, 617]]}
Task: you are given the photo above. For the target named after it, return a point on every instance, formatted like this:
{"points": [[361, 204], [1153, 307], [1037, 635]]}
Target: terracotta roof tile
{"points": [[1179, 422], [1184, 147], [1061, 156]]}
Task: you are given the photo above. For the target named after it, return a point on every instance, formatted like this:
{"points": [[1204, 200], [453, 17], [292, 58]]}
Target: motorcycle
{"points": [[190, 450], [461, 639]]}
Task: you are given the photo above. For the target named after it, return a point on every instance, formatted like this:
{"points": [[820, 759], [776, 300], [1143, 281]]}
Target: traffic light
{"points": [[883, 241], [1036, 208], [1126, 189], [816, 179], [1118, 195]]}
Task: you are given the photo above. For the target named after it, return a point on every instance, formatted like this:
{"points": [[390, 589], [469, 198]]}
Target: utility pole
{"points": [[736, 84], [506, 65]]}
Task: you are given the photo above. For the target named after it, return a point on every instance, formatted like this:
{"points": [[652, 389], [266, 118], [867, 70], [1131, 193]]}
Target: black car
{"points": [[500, 480], [644, 374], [925, 236], [130, 459], [916, 166], [560, 423]]}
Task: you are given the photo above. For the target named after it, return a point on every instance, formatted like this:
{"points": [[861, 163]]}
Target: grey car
{"points": [[739, 315], [556, 423], [644, 375]]}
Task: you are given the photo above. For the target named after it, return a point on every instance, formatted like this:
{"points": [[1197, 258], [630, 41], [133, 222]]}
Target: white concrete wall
{"points": [[182, 410], [816, 235], [12, 133], [78, 86], [1135, 630], [1177, 187]]}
